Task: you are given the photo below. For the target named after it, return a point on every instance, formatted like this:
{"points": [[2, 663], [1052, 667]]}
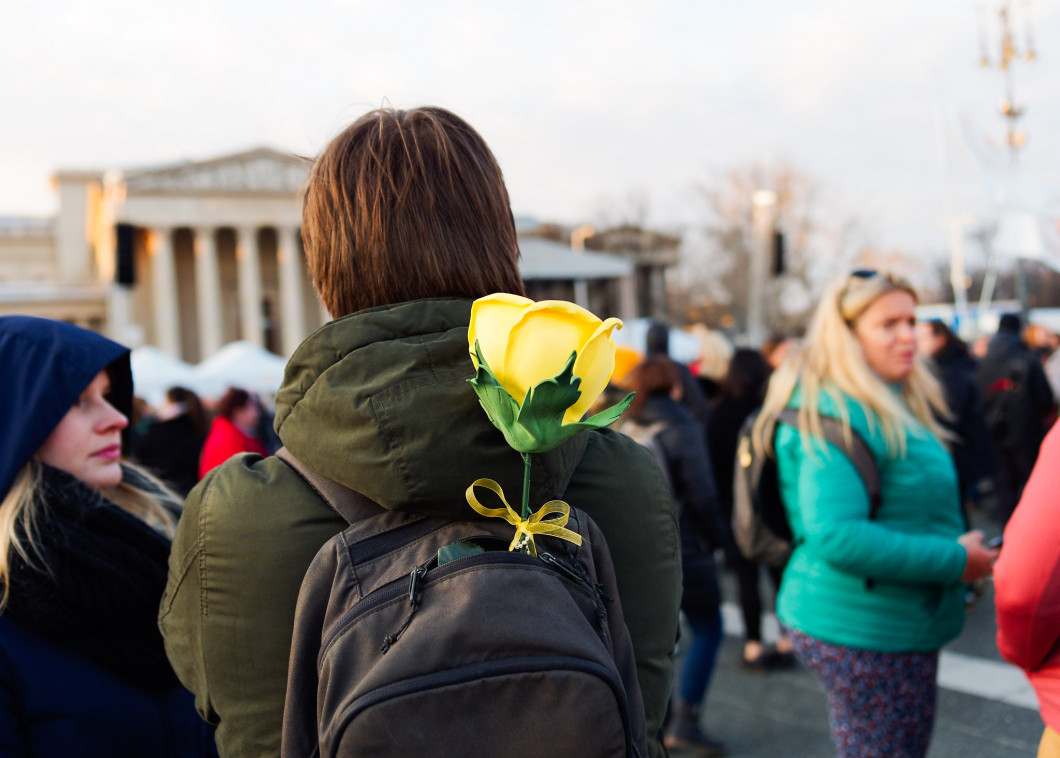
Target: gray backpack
{"points": [[759, 519], [398, 651]]}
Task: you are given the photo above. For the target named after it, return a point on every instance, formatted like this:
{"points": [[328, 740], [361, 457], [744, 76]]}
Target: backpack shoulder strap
{"points": [[857, 450], [350, 504], [353, 506]]}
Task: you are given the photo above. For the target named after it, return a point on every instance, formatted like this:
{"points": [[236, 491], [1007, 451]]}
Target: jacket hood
{"points": [[379, 401], [44, 367]]}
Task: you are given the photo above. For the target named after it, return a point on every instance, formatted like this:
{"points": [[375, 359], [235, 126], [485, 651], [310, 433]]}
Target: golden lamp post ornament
{"points": [[539, 367]]}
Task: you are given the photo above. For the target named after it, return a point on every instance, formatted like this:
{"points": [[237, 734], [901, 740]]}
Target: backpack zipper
{"points": [[476, 671], [579, 575], [429, 572]]}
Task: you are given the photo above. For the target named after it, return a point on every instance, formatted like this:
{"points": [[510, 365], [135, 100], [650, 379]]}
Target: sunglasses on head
{"points": [[863, 274]]}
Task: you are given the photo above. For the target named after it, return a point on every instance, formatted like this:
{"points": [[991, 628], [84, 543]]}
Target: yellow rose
{"points": [[525, 343]]}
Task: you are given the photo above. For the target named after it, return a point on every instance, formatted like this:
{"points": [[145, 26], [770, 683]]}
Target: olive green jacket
{"points": [[378, 401]]}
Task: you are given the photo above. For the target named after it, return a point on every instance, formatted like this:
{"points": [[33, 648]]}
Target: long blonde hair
{"points": [[831, 361], [21, 506]]}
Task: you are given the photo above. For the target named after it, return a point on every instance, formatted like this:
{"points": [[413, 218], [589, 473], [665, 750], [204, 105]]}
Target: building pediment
{"points": [[262, 171]]}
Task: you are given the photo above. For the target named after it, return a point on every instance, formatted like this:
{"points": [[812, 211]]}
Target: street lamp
{"points": [[763, 222]]}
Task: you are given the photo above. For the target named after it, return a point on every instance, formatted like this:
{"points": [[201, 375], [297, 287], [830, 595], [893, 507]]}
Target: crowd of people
{"points": [[144, 612]]}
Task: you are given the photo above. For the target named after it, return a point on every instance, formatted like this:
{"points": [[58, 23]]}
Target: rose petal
{"points": [[541, 341], [492, 317], [594, 366]]}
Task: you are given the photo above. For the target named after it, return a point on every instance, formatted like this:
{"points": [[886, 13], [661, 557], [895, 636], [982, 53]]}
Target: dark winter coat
{"points": [[82, 667], [972, 450], [171, 450], [726, 419], [1015, 393], [688, 467]]}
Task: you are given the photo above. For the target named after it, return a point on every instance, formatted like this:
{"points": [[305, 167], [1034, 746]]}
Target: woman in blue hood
{"points": [[84, 541]]}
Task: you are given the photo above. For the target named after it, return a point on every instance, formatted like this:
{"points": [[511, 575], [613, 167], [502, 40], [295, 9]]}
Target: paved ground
{"points": [[985, 706]]}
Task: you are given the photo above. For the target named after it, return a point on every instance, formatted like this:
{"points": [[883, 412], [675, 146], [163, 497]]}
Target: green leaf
{"points": [[610, 415], [500, 406], [537, 426], [458, 550], [550, 399]]}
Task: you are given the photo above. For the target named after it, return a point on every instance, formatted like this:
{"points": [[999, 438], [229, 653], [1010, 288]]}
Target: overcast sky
{"points": [[585, 102]]}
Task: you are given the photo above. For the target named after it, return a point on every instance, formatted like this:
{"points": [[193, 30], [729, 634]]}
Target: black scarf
{"points": [[94, 583]]}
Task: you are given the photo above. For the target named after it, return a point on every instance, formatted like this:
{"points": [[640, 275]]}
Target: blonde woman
{"points": [[84, 540], [869, 602]]}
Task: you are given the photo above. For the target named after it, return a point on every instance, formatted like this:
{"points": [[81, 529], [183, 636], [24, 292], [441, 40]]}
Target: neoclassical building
{"points": [[192, 256], [185, 257]]}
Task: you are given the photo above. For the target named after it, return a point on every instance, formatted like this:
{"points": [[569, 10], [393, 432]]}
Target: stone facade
{"points": [[211, 253], [192, 256]]}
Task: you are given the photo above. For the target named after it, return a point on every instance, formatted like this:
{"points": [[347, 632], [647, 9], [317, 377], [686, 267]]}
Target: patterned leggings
{"points": [[879, 704]]}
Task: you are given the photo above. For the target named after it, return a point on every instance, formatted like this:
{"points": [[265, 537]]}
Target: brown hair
{"points": [[406, 205], [657, 375], [192, 408], [233, 399]]}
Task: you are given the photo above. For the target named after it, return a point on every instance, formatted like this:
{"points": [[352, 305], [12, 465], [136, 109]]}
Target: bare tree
{"points": [[820, 238]]}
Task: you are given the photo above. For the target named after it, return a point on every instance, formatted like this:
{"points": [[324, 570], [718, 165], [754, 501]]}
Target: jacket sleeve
{"points": [[832, 507], [1027, 575], [249, 531], [618, 484], [693, 478]]}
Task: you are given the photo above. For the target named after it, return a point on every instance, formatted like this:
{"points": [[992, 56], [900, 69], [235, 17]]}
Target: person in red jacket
{"points": [[1027, 589], [232, 430]]}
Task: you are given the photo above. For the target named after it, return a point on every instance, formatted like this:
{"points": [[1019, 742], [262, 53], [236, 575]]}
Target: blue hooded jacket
{"points": [[44, 366], [54, 699]]}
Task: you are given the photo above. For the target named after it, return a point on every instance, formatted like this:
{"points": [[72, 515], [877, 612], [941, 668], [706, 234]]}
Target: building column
{"points": [[292, 306], [208, 291], [581, 293], [248, 269], [164, 292], [627, 298], [659, 306]]}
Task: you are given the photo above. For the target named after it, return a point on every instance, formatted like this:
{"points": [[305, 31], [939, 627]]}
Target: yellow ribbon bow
{"points": [[525, 529]]}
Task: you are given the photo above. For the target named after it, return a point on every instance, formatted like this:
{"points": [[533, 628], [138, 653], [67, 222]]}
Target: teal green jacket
{"points": [[379, 401], [916, 601]]}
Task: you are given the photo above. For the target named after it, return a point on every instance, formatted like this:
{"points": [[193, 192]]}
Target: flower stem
{"points": [[526, 485]]}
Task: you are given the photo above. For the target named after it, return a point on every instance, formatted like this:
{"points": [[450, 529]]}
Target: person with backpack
{"points": [[973, 453], [406, 221], [84, 541], [659, 421], [869, 598], [1017, 400], [742, 390]]}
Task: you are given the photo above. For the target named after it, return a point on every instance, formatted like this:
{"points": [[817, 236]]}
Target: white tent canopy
{"points": [[634, 334], [240, 364], [154, 372]]}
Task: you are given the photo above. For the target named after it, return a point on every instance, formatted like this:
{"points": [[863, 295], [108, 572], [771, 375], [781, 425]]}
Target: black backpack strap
{"points": [[856, 449], [350, 504], [859, 453]]}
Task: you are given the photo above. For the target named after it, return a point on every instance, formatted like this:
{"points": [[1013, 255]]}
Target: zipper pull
{"points": [[415, 593], [577, 573]]}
